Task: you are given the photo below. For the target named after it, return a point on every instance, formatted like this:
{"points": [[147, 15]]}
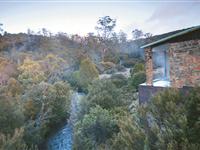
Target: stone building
{"points": [[172, 61]]}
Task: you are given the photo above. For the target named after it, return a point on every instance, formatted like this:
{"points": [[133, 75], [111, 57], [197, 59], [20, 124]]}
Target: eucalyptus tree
{"points": [[105, 26]]}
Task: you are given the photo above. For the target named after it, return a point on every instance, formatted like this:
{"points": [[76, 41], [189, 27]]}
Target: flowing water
{"points": [[63, 139]]}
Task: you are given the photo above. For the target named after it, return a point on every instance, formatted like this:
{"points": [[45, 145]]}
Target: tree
{"points": [[31, 72], [45, 106], [148, 35], [137, 34], [53, 66], [105, 26], [88, 72], [1, 29], [122, 36]]}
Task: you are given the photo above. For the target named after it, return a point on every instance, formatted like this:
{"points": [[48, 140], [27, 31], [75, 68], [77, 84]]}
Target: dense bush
{"points": [[193, 115], [45, 106], [173, 120], [14, 142], [94, 129], [105, 94], [138, 67], [119, 80], [82, 78], [131, 135], [130, 62], [11, 114], [137, 79], [104, 101], [31, 72]]}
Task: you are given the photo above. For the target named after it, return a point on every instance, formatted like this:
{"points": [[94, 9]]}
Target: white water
{"points": [[63, 139]]}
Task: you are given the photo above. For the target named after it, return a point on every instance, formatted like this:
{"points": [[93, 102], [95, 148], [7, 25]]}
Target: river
{"points": [[63, 139]]}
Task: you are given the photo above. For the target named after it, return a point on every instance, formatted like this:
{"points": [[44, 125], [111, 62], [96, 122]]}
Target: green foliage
{"points": [[14, 142], [46, 105], [111, 56], [105, 94], [130, 136], [137, 79], [94, 129], [138, 67], [171, 120], [130, 62], [53, 67], [14, 88], [119, 80], [31, 72], [193, 115], [11, 115], [87, 72]]}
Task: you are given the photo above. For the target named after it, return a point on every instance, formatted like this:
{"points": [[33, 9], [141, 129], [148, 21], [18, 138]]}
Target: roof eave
{"points": [[170, 37]]}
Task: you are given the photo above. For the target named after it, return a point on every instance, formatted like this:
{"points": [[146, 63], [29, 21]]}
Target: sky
{"points": [[81, 16]]}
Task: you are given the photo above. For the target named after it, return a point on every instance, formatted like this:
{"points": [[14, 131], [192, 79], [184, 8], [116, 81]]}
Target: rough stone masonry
{"points": [[184, 60]]}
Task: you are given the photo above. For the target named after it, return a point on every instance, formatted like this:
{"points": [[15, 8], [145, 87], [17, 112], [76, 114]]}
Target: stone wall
{"points": [[149, 66], [184, 58]]}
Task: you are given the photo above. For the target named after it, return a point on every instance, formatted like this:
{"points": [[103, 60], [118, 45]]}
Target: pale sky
{"points": [[80, 16]]}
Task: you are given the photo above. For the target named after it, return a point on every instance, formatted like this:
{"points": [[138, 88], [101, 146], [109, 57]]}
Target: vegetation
{"points": [[39, 71], [30, 107], [168, 122], [138, 78]]}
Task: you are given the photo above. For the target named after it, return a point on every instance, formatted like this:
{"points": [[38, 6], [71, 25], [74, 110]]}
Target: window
{"points": [[160, 63]]}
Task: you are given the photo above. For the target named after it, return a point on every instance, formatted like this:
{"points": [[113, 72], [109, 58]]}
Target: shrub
{"points": [[105, 94], [193, 115], [108, 65], [119, 80], [138, 67], [14, 142], [95, 128], [87, 73], [130, 136], [46, 106], [137, 79], [11, 115], [31, 72], [173, 120]]}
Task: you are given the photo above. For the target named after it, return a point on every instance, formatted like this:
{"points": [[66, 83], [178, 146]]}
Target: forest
{"points": [[40, 72]]}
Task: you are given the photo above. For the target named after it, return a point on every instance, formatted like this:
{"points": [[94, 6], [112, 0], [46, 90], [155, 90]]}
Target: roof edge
{"points": [[172, 36]]}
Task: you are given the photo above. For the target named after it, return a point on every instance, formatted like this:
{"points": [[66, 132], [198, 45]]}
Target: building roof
{"points": [[170, 35]]}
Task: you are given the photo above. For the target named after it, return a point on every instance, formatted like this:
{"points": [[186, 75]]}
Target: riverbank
{"points": [[63, 139]]}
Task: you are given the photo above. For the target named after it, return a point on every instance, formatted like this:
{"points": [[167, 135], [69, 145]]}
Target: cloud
{"points": [[173, 16]]}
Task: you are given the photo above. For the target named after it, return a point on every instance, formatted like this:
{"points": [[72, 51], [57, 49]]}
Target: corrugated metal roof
{"points": [[172, 36]]}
